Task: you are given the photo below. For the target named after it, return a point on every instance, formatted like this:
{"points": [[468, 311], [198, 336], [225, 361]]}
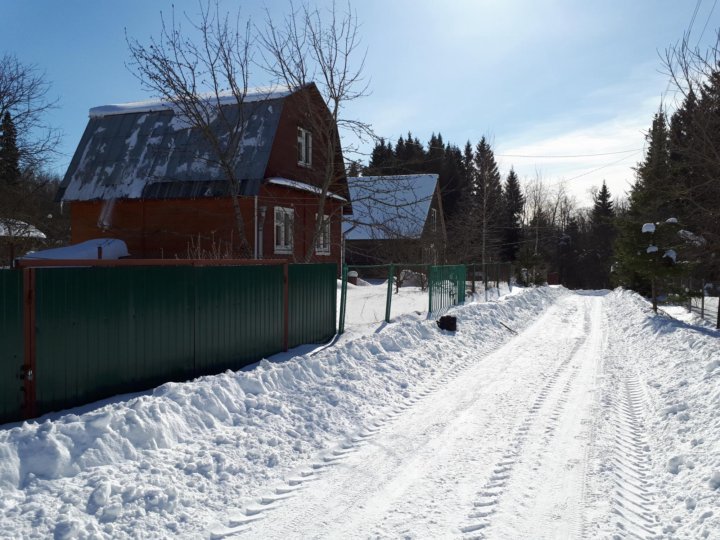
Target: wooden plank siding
{"points": [[167, 228], [306, 109]]}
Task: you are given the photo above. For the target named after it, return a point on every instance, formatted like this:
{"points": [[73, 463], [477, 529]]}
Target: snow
{"points": [[671, 254], [648, 228], [651, 249], [671, 220], [581, 415], [155, 105], [112, 248], [394, 206], [302, 187], [15, 228], [692, 238]]}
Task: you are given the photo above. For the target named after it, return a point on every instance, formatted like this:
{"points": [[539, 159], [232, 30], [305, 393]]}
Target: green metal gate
{"points": [[447, 288], [11, 345]]}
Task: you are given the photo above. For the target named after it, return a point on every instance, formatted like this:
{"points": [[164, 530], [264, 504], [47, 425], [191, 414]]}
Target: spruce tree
{"points": [[602, 238], [647, 204], [488, 199], [9, 153], [513, 204]]}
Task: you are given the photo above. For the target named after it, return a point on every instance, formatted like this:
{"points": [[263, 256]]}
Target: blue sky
{"points": [[539, 78]]}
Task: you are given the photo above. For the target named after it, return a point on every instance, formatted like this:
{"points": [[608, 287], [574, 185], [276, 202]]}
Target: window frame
{"points": [[304, 147], [325, 233], [287, 228]]}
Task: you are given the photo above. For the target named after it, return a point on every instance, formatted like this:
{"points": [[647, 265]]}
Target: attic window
{"points": [[304, 147]]}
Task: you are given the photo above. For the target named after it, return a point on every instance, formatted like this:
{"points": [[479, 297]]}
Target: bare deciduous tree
{"points": [[200, 80], [24, 93], [321, 47]]}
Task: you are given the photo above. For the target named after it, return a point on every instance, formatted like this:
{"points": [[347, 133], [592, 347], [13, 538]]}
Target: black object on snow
{"points": [[448, 322]]}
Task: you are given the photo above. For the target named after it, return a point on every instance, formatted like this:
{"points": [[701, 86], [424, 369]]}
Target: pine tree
{"points": [[513, 204]]}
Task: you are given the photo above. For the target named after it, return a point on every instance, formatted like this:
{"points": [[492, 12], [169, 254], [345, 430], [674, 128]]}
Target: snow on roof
{"points": [[155, 154], [692, 237], [302, 187], [389, 206], [112, 248], [648, 228], [651, 249], [158, 105], [14, 228], [671, 220], [671, 254]]}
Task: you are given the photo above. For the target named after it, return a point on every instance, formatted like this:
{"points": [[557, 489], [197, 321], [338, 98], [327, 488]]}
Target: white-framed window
{"points": [[284, 229], [304, 147], [322, 246]]}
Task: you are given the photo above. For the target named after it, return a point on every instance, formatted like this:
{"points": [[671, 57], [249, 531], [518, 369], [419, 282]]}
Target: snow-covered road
{"points": [[499, 447], [549, 414]]}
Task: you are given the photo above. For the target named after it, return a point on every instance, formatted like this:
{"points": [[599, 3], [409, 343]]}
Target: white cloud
{"points": [[623, 132]]}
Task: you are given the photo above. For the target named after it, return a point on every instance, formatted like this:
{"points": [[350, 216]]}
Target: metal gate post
{"points": [[343, 299], [28, 374], [391, 274]]}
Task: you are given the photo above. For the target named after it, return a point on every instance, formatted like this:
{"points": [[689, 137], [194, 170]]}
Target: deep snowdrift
{"points": [[678, 368], [176, 460]]}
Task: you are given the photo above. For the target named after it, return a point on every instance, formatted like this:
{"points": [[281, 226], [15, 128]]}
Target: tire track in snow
{"points": [[377, 429], [239, 522], [633, 503], [491, 494]]}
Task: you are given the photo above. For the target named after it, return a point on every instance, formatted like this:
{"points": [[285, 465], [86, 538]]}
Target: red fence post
{"points": [[29, 406]]}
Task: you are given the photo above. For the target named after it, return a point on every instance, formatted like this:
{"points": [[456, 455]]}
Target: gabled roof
{"points": [[386, 207], [14, 228], [147, 150]]}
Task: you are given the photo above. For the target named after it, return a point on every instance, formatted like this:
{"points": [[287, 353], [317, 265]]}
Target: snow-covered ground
{"points": [[549, 414]]}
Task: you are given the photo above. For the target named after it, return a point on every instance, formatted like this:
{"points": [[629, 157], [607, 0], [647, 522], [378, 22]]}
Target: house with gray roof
{"points": [[145, 174], [396, 219]]}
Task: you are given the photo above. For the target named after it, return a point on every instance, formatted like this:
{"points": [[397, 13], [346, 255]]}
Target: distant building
{"points": [[395, 219]]}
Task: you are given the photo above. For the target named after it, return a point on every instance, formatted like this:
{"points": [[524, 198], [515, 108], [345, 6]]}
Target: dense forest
{"points": [[537, 226]]}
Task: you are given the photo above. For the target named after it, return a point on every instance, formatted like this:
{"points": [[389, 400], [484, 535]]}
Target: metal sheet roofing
{"points": [[387, 207], [152, 152]]}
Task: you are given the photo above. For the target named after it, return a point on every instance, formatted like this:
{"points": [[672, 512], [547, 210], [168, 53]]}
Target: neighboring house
{"points": [[395, 219], [142, 175], [16, 237]]}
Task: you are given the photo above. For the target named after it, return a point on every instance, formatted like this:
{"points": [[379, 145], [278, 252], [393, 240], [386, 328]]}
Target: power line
{"points": [[706, 23], [599, 168], [570, 155], [692, 20]]}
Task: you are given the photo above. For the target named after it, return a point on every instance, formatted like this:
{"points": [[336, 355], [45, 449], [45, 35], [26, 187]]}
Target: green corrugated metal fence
{"points": [[313, 296], [11, 345], [447, 287], [102, 331]]}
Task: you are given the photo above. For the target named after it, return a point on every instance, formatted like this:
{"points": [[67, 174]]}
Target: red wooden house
{"points": [[143, 175]]}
